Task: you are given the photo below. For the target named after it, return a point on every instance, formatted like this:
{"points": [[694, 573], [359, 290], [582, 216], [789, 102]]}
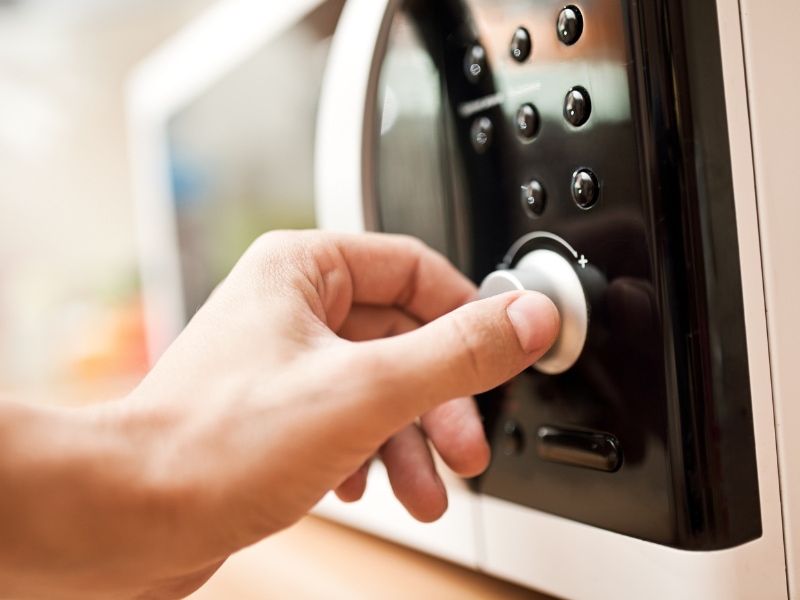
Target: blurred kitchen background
{"points": [[240, 162]]}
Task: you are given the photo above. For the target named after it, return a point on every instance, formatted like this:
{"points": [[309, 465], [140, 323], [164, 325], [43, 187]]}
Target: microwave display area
{"points": [[595, 132]]}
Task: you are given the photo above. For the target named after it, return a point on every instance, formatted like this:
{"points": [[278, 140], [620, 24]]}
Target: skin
{"points": [[317, 353]]}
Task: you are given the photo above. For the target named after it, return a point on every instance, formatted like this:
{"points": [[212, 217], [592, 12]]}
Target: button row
{"points": [[577, 110], [569, 27], [584, 188]]}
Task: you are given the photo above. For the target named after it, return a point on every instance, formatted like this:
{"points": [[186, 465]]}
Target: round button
{"points": [[548, 272], [521, 45], [585, 188], [513, 438], [570, 25], [533, 198], [527, 121], [482, 133], [577, 106], [474, 63]]}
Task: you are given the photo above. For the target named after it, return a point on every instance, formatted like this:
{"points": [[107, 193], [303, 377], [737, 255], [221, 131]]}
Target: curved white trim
{"points": [[342, 120], [342, 127]]}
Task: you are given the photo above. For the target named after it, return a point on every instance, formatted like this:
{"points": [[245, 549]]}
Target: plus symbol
{"points": [[583, 262]]}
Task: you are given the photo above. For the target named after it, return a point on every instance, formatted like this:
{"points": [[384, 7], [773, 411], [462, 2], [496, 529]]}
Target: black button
{"points": [[533, 198], [585, 188], [527, 121], [570, 25], [482, 133], [513, 439], [591, 450], [521, 45], [577, 106], [474, 63]]}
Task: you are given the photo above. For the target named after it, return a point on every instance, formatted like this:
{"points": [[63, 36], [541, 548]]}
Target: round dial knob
{"points": [[550, 273]]}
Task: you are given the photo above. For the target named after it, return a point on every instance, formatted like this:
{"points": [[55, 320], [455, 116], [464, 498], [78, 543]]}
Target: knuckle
{"points": [[488, 348], [470, 336]]}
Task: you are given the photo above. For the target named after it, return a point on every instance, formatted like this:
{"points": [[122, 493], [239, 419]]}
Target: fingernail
{"points": [[535, 321]]}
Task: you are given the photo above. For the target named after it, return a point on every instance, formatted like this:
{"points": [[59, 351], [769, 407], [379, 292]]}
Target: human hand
{"points": [[318, 351]]}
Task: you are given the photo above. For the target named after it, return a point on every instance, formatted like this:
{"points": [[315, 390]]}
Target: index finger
{"points": [[387, 270]]}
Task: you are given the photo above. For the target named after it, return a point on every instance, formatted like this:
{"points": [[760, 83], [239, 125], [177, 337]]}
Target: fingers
{"points": [[373, 322], [455, 429], [466, 352], [332, 272], [413, 476], [391, 270], [355, 485]]}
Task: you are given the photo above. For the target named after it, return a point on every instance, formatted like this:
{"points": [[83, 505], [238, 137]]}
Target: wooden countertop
{"points": [[320, 560]]}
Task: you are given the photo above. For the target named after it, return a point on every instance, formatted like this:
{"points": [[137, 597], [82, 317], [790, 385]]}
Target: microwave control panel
{"points": [[582, 149]]}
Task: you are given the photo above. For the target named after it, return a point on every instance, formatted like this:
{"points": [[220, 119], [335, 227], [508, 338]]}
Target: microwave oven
{"points": [[645, 144], [640, 141]]}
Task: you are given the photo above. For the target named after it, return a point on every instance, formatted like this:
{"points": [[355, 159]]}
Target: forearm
{"points": [[80, 512], [256, 412]]}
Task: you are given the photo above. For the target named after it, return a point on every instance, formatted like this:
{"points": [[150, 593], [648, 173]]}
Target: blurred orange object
{"points": [[109, 343]]}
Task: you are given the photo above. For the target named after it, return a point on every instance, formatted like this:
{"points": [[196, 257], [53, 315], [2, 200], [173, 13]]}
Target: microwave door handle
{"points": [[346, 117]]}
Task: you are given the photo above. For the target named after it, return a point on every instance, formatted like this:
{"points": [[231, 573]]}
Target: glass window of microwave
{"points": [[417, 172]]}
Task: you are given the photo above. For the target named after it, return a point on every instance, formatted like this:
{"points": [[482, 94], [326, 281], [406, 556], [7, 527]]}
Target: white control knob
{"points": [[550, 273]]}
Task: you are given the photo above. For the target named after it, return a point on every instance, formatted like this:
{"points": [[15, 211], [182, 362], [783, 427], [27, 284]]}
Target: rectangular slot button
{"points": [[591, 450]]}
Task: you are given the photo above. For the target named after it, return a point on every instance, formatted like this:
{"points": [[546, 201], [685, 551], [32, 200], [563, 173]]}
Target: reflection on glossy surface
{"points": [[570, 25], [527, 121], [521, 45], [585, 188], [412, 193], [577, 106], [627, 205]]}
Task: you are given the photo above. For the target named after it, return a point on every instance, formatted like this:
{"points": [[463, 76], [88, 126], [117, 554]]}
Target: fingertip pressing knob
{"points": [[550, 273]]}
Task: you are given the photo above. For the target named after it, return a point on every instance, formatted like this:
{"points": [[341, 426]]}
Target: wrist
{"points": [[82, 511]]}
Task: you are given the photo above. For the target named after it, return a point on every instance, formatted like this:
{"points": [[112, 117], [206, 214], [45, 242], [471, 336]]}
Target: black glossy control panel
{"points": [[597, 130]]}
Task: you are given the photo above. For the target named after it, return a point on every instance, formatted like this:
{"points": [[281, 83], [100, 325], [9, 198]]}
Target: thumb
{"points": [[468, 351]]}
